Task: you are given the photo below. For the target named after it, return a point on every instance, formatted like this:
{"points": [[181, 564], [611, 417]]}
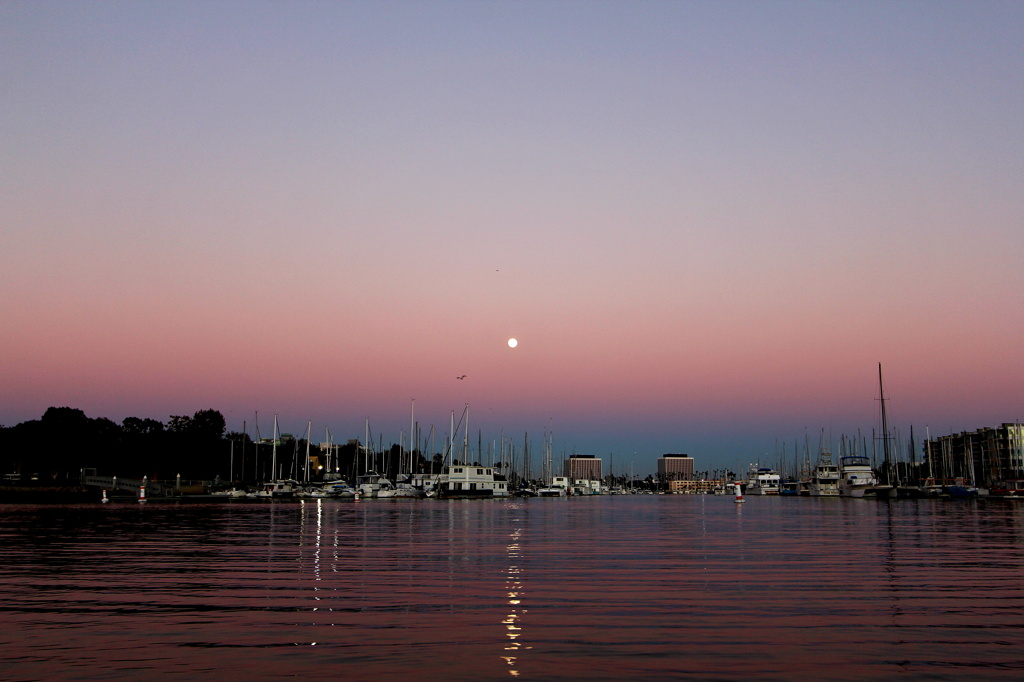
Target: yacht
{"points": [[763, 481], [462, 480], [339, 489], [276, 490], [856, 476], [371, 484], [790, 488], [408, 490], [825, 480], [559, 488]]}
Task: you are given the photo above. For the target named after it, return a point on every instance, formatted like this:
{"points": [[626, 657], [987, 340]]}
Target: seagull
{"points": [[461, 378]]}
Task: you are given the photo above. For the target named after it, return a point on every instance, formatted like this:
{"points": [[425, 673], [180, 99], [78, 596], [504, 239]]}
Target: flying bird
{"points": [[461, 378]]}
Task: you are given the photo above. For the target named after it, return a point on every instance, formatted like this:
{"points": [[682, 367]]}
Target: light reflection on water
{"points": [[603, 588]]}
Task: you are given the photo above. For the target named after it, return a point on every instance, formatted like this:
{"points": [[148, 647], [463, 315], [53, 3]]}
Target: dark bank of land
{"points": [[12, 492], [46, 457]]}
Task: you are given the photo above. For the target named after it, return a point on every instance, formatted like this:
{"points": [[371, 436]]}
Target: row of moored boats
{"points": [[853, 476]]}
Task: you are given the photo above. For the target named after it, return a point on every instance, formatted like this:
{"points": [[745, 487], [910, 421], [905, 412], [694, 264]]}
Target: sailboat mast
{"points": [[885, 422], [245, 438], [309, 434], [526, 456], [928, 450], [273, 456], [256, 464]]}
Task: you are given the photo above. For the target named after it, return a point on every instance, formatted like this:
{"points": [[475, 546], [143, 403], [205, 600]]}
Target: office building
{"points": [[583, 467], [675, 468]]}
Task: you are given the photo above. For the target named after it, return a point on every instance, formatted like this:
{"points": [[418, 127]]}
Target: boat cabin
{"points": [[473, 481]]}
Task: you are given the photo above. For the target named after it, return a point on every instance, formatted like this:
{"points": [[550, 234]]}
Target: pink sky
{"points": [[705, 223]]}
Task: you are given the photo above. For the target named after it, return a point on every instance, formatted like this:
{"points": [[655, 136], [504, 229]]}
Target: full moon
{"points": [[512, 343]]}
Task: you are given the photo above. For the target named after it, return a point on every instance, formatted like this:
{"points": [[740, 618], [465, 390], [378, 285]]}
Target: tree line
{"points": [[64, 441]]}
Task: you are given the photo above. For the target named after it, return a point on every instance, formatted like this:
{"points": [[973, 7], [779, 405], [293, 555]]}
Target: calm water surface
{"points": [[614, 587]]}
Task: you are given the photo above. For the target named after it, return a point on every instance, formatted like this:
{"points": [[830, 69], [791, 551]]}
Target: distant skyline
{"points": [[705, 223]]}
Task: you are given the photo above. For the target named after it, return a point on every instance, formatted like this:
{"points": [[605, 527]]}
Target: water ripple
{"points": [[639, 587]]}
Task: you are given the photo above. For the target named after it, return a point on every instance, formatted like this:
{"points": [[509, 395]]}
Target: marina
{"points": [[485, 340]]}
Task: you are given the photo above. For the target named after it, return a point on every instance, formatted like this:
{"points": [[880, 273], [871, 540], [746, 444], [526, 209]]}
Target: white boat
{"points": [[763, 481], [856, 476], [330, 490], [384, 491], [278, 489], [559, 488], [462, 480], [582, 486], [408, 490], [825, 480], [551, 492], [339, 489], [313, 492], [372, 484], [234, 493]]}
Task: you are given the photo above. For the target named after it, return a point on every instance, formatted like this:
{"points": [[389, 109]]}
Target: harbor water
{"points": [[604, 587]]}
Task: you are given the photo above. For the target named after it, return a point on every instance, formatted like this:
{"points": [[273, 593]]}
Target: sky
{"points": [[706, 223]]}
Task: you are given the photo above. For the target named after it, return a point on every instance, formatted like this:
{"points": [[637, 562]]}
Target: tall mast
{"points": [[885, 422], [245, 437], [273, 457], [256, 464], [928, 450], [526, 457], [330, 446], [309, 434]]}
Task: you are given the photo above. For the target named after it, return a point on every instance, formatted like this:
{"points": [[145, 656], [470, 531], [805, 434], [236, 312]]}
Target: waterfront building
{"points": [[675, 468], [982, 456], [701, 487], [586, 467]]}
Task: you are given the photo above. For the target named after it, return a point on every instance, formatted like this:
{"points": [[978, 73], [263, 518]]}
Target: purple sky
{"points": [[705, 222]]}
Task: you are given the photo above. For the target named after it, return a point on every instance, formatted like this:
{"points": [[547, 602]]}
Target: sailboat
{"points": [[405, 488], [276, 488], [884, 490], [858, 479], [370, 483], [554, 486]]}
